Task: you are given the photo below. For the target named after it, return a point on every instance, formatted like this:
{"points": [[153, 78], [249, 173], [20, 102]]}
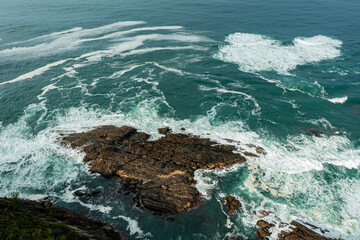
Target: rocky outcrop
{"points": [[161, 172], [55, 214], [231, 204], [297, 231]]}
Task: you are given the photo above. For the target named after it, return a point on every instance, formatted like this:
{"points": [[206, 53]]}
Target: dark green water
{"points": [[255, 72]]}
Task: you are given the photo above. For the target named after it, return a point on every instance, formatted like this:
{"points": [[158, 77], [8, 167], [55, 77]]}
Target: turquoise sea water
{"points": [[256, 72]]}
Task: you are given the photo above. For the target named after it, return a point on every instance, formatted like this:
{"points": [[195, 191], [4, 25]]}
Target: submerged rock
{"points": [[314, 132], [96, 192], [161, 172], [231, 204]]}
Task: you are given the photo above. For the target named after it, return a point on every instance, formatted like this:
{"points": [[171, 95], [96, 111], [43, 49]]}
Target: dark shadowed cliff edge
{"points": [[25, 219]]}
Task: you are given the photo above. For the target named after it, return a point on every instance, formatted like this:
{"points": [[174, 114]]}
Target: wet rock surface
{"points": [[161, 172], [297, 231], [231, 204], [55, 214]]}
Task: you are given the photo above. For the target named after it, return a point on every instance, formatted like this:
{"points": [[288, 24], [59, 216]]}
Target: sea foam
{"points": [[133, 228], [339, 100], [256, 53]]}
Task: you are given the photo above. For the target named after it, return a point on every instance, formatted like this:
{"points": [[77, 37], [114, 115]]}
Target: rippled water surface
{"points": [[256, 72]]}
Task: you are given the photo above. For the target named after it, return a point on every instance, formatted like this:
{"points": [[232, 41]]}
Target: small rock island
{"points": [[160, 172]]}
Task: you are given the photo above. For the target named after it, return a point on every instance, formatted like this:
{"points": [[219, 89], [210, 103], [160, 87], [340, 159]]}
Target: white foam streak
{"points": [[122, 72], [177, 71], [133, 227], [222, 90], [116, 35], [69, 197], [147, 50], [54, 34], [129, 69], [128, 46], [62, 42], [108, 28], [36, 72], [279, 84], [45, 90], [59, 45]]}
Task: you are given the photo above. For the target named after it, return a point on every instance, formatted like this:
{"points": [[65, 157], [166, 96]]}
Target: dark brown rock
{"points": [[249, 154], [161, 171], [262, 234], [258, 149], [51, 213], [79, 193], [96, 192], [298, 232], [164, 130], [231, 204], [263, 224]]}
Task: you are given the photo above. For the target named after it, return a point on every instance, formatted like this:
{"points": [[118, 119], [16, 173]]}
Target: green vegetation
{"points": [[18, 225]]}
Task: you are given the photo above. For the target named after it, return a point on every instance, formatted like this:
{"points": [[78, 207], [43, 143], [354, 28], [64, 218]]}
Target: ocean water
{"points": [[256, 72]]}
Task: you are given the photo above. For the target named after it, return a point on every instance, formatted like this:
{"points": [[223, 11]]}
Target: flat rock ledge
{"points": [[160, 172], [48, 212], [298, 231]]}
